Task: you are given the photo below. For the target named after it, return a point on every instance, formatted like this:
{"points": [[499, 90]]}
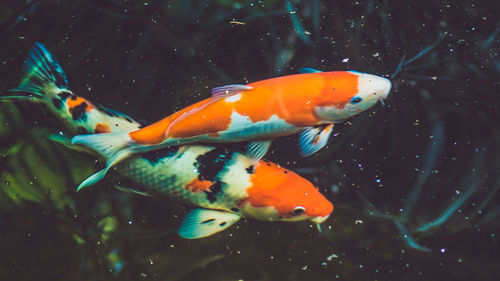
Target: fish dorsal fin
{"points": [[200, 223], [257, 149], [313, 139], [217, 94], [308, 70], [229, 90]]}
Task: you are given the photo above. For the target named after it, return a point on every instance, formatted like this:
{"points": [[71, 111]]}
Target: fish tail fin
{"points": [[43, 77], [114, 147]]}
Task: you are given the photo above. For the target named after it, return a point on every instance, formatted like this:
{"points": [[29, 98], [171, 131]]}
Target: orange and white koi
{"points": [[308, 103], [224, 185]]}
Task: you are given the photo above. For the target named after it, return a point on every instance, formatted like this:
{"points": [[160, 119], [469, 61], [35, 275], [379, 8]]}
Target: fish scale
{"points": [[170, 177]]}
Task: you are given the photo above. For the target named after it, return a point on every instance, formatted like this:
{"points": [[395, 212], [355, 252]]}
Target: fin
{"points": [[313, 139], [28, 97], [132, 190], [65, 140], [308, 70], [43, 75], [217, 94], [229, 90], [257, 149], [112, 146], [200, 223]]}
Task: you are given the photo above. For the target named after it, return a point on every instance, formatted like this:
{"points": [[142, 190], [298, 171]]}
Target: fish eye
{"points": [[298, 210], [355, 100]]}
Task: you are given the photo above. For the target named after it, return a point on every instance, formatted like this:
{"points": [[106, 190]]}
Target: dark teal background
{"points": [[435, 143]]}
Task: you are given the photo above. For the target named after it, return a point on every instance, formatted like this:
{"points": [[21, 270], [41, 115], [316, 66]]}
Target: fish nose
{"points": [[379, 86], [370, 84], [384, 86]]}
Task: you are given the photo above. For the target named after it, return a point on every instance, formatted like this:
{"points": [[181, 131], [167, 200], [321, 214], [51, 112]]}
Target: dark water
{"points": [[414, 183]]}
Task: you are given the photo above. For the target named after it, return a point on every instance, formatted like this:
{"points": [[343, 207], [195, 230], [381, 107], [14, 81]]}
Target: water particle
{"points": [[346, 60], [442, 250]]}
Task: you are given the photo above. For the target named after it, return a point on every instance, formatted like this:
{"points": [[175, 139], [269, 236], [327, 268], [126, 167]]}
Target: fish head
{"points": [[278, 194], [344, 101]]}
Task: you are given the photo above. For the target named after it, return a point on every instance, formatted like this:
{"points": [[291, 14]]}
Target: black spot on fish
{"points": [[265, 160], [268, 164], [235, 209], [73, 97], [57, 103], [78, 112], [213, 191], [222, 223], [64, 95], [128, 119], [81, 130], [155, 156], [250, 169], [285, 171], [207, 221], [210, 164]]}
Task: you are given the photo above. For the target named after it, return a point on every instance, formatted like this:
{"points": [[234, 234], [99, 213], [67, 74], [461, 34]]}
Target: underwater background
{"points": [[414, 183]]}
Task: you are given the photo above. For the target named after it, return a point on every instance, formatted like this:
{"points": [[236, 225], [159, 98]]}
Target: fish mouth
{"points": [[319, 220]]}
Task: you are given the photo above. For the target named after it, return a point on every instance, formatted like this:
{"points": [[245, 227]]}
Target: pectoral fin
{"points": [[314, 138], [257, 149], [200, 223]]}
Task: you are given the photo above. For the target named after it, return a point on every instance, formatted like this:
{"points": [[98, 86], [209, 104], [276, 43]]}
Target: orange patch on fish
{"points": [[293, 98], [280, 188], [197, 185], [187, 125], [102, 128], [75, 101]]}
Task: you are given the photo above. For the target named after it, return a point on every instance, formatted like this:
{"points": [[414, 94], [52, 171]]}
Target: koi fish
{"points": [[224, 185], [308, 103], [45, 82]]}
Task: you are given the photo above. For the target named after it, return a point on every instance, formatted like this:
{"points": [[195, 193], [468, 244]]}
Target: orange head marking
{"points": [[280, 194]]}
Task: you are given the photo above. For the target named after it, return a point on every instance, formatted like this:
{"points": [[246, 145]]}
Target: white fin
{"points": [[257, 149], [132, 190], [200, 223], [112, 146], [229, 90], [313, 139], [308, 70], [65, 140]]}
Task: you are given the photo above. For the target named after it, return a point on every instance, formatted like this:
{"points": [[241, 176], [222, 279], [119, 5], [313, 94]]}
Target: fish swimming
{"points": [[224, 185], [308, 104], [45, 82]]}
